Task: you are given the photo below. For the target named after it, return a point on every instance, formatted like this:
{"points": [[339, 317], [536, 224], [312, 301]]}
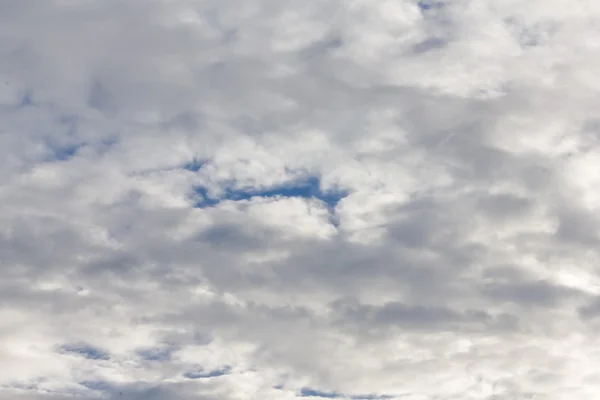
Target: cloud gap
{"points": [[101, 386], [26, 100], [86, 351], [427, 5], [201, 374], [64, 153], [156, 353], [306, 188], [195, 165], [309, 392]]}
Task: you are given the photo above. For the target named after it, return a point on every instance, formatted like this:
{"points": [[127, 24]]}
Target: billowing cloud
{"points": [[283, 200]]}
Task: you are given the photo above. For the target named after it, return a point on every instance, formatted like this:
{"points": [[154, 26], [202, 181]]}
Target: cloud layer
{"points": [[281, 200]]}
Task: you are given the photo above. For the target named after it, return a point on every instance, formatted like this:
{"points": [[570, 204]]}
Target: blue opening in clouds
{"points": [[87, 351], [64, 153], [156, 354], [426, 5], [429, 45], [308, 392], [201, 374], [195, 165], [26, 100], [307, 188], [96, 385]]}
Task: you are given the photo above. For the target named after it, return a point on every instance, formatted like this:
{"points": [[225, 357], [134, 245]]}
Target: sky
{"points": [[284, 200]]}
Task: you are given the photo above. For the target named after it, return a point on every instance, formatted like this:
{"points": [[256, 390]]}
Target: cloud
{"points": [[274, 199]]}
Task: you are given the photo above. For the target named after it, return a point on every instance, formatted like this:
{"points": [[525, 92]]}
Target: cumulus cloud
{"points": [[283, 200]]}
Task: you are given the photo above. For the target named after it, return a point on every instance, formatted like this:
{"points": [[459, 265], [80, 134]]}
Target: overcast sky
{"points": [[308, 199]]}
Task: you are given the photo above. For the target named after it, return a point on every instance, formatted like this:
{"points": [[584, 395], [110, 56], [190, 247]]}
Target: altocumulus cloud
{"points": [[228, 200]]}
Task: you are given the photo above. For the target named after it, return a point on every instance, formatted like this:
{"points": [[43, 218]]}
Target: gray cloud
{"points": [[156, 241]]}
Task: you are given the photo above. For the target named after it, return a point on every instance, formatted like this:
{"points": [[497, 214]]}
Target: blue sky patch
{"points": [[97, 385], [62, 151], [66, 152], [429, 45], [306, 188], [201, 374], [308, 392], [156, 353], [427, 5], [195, 165], [26, 100], [206, 199], [87, 351]]}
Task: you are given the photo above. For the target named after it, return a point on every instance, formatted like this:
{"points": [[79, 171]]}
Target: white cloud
{"points": [[276, 199]]}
